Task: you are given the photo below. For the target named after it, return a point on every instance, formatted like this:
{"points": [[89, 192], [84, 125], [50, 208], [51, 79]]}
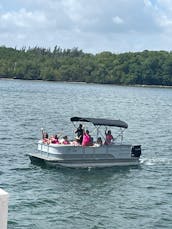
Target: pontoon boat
{"points": [[78, 156]]}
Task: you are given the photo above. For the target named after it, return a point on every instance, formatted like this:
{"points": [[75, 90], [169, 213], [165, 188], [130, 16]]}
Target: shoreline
{"points": [[73, 82]]}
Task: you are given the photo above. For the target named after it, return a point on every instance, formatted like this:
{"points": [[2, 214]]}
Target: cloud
{"points": [[91, 25], [22, 19], [117, 20]]}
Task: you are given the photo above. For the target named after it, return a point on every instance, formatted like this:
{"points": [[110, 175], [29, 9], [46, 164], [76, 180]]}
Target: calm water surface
{"points": [[43, 198]]}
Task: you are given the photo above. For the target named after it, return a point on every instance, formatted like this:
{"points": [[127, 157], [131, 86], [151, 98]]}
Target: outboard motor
{"points": [[136, 151]]}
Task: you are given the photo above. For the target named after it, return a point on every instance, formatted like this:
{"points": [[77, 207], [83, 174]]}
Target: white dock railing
{"points": [[3, 209]]}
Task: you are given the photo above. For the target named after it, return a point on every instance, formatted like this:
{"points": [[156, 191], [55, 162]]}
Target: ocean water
{"points": [[124, 197]]}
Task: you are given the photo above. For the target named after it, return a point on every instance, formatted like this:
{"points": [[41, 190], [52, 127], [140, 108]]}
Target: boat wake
{"points": [[156, 161]]}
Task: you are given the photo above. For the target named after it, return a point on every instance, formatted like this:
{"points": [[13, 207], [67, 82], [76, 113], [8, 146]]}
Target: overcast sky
{"points": [[91, 25]]}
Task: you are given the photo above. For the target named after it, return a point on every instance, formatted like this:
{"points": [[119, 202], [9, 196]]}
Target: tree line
{"points": [[73, 65]]}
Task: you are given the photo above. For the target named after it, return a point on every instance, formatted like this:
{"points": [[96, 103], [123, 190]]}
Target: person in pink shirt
{"points": [[109, 137], [55, 140], [45, 138], [87, 140], [65, 140]]}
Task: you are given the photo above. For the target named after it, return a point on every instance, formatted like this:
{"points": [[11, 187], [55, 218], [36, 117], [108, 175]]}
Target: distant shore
{"points": [[73, 82]]}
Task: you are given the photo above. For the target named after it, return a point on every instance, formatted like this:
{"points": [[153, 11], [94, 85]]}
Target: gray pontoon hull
{"points": [[83, 157]]}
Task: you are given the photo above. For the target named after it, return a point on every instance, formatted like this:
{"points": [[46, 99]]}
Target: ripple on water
{"points": [[43, 197]]}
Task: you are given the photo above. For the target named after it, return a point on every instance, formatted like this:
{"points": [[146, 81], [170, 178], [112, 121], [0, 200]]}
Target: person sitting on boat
{"points": [[45, 138], [75, 143], [54, 139], [79, 133], [87, 139], [99, 141], [65, 140], [109, 137]]}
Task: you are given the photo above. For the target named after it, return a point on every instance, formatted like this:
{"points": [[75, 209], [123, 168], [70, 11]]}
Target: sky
{"points": [[93, 26]]}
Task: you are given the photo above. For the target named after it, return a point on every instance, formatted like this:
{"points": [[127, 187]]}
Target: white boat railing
{"points": [[3, 209]]}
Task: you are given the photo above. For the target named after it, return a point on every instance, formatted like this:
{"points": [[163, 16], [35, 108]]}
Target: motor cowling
{"points": [[136, 151]]}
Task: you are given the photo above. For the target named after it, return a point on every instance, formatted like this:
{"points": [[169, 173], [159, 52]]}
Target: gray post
{"points": [[3, 209]]}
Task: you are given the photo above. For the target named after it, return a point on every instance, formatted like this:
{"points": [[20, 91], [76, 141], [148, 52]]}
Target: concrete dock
{"points": [[3, 209]]}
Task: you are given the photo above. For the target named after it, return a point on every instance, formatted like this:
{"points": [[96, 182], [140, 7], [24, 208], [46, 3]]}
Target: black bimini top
{"points": [[101, 122]]}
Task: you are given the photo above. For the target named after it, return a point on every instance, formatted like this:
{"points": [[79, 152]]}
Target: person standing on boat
{"points": [[87, 140], [79, 133], [109, 137]]}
